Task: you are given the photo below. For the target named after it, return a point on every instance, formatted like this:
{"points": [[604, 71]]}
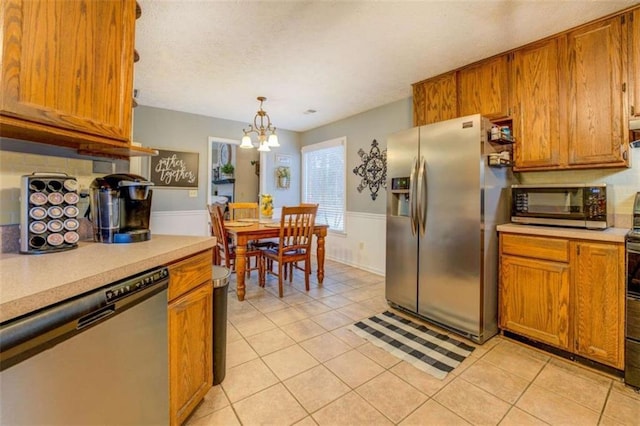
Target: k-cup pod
{"points": [[37, 241], [55, 239], [71, 198], [37, 185], [71, 185], [55, 225], [55, 198], [55, 212], [54, 185], [71, 224], [38, 198], [37, 227], [71, 211], [71, 237], [38, 213]]}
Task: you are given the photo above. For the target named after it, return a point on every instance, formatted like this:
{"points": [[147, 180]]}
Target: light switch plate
{"points": [[193, 193]]}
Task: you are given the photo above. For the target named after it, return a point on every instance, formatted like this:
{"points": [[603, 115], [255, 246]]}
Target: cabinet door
{"points": [[634, 63], [484, 88], [534, 299], [68, 65], [435, 100], [595, 99], [190, 351], [534, 88], [598, 279]]}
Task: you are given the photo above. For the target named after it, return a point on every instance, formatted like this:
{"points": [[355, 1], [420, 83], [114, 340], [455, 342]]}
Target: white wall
{"points": [[180, 222]]}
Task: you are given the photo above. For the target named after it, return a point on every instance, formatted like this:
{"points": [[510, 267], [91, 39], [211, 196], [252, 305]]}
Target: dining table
{"points": [[244, 231]]}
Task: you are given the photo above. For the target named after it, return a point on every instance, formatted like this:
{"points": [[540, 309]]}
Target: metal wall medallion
{"points": [[373, 169]]}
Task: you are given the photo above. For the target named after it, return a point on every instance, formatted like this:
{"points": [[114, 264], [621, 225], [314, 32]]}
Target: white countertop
{"points": [[31, 282], [610, 234]]}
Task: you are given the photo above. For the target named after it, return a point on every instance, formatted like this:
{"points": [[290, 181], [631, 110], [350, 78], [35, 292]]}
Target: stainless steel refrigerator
{"points": [[443, 205]]}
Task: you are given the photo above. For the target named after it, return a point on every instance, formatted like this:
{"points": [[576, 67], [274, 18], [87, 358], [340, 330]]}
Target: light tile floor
{"points": [[293, 361]]}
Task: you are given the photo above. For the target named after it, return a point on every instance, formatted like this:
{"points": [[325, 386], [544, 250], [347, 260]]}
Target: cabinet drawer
{"points": [[538, 247], [189, 273]]}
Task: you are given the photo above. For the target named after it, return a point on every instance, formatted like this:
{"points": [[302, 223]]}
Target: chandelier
{"points": [[258, 127]]}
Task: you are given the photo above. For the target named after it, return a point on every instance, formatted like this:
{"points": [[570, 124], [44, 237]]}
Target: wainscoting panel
{"points": [[364, 244], [186, 222]]}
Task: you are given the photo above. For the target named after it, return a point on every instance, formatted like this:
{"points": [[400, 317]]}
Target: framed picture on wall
{"points": [[174, 169]]}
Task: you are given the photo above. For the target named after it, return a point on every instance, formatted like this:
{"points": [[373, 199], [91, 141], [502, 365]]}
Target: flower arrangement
{"points": [[283, 172], [283, 175], [266, 205]]}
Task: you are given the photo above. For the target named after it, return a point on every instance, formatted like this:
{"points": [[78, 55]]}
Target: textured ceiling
{"points": [[336, 57]]}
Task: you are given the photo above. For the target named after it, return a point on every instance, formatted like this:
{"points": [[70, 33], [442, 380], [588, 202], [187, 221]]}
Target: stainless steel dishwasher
{"points": [[98, 359]]}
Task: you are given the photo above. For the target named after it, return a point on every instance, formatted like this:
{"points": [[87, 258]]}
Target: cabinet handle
{"points": [[624, 87]]}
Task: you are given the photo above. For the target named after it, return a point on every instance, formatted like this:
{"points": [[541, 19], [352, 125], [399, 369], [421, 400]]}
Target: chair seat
{"points": [[287, 254]]}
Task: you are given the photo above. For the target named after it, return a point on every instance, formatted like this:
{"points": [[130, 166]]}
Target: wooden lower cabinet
{"points": [[565, 293], [190, 334], [535, 299], [598, 280]]}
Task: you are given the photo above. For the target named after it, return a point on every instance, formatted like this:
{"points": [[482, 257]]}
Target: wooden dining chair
{"points": [[225, 251], [294, 244], [246, 210], [249, 210]]}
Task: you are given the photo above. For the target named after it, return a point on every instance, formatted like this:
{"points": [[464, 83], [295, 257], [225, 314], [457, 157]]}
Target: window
{"points": [[324, 180]]}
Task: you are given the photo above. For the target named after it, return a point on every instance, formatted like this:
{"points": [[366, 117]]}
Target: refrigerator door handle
{"points": [[422, 197], [412, 197]]}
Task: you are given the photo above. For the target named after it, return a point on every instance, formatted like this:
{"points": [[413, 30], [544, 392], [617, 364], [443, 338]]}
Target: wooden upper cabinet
{"points": [[67, 70], [484, 88], [535, 106], [596, 73], [598, 280], [435, 99], [634, 63]]}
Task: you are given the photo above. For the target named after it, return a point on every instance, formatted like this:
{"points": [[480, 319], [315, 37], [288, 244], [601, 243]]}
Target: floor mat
{"points": [[432, 352]]}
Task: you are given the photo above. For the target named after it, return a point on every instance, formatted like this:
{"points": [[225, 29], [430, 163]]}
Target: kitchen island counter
{"points": [[31, 282]]}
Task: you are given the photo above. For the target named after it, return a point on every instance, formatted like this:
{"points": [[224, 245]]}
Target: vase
{"points": [[266, 206], [283, 182]]}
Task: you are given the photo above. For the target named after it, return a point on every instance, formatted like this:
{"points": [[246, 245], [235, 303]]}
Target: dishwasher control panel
{"points": [[131, 285]]}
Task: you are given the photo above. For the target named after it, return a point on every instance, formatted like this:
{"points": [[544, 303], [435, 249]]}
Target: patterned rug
{"points": [[427, 350]]}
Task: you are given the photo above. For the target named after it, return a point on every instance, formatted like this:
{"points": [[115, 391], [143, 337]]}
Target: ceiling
{"points": [[338, 58]]}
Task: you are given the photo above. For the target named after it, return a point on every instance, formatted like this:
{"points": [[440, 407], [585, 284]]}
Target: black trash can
{"points": [[220, 280]]}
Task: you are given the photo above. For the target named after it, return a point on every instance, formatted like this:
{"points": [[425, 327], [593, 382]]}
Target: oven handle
{"points": [[633, 247]]}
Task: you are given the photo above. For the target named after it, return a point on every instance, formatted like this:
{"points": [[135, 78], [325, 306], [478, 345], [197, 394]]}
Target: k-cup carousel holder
{"points": [[49, 213]]}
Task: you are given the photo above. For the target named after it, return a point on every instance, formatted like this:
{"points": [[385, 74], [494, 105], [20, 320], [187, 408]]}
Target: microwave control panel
{"points": [[595, 202]]}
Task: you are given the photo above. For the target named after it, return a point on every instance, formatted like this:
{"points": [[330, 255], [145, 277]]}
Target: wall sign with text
{"points": [[174, 169]]}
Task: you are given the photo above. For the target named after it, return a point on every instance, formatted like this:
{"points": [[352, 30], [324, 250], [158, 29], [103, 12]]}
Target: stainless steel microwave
{"points": [[574, 205]]}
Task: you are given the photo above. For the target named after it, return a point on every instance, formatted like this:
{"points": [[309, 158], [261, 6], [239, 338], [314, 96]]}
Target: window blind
{"points": [[324, 181]]}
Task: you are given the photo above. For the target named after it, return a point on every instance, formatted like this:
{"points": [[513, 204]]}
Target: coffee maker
{"points": [[120, 208]]}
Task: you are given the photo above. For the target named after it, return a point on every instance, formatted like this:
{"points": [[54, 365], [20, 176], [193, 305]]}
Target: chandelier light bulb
{"points": [[273, 140], [246, 142]]}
